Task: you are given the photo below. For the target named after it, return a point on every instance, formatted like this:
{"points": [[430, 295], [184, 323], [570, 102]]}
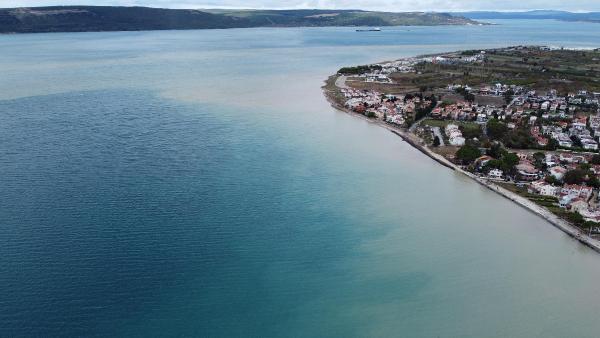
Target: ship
{"points": [[377, 29]]}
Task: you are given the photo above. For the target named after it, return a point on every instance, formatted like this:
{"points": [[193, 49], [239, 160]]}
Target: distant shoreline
{"points": [[73, 19]]}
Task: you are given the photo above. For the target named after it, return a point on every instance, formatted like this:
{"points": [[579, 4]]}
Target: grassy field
{"points": [[388, 88], [546, 201], [315, 17], [563, 70], [333, 91]]}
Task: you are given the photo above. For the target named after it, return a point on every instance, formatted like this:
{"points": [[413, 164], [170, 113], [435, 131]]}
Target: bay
{"points": [[197, 183]]}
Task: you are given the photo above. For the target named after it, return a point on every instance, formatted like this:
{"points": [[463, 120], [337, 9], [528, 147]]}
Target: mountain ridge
{"points": [[118, 18]]}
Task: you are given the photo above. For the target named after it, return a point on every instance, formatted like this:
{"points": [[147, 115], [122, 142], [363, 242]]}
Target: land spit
{"points": [[418, 144]]}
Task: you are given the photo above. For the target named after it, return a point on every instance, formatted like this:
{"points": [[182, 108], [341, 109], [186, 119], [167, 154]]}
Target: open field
{"points": [[536, 68]]}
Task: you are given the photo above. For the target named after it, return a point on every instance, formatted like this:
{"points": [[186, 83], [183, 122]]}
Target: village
{"points": [[541, 144]]}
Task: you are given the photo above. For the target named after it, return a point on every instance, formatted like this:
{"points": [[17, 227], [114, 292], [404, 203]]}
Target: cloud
{"points": [[383, 5]]}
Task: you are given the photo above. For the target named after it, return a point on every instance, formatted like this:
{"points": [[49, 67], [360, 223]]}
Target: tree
{"points": [[576, 176], [594, 182], [576, 141], [467, 154], [508, 95], [496, 129], [496, 150], [359, 69], [508, 162], [465, 93], [575, 218], [595, 159], [436, 141], [519, 138], [471, 131], [491, 164], [425, 110], [552, 180], [552, 144], [540, 160], [511, 159], [585, 167]]}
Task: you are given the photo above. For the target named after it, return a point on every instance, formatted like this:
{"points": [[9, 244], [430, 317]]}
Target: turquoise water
{"points": [[196, 183]]}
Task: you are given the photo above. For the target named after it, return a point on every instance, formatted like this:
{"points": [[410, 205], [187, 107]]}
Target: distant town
{"points": [[523, 119]]}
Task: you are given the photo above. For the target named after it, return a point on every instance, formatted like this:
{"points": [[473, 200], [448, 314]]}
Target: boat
{"points": [[377, 29]]}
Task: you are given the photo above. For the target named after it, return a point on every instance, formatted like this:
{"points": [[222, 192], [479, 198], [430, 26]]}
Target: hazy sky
{"points": [[386, 5]]}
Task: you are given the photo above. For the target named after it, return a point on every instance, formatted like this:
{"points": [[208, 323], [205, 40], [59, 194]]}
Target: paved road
{"points": [[512, 102], [340, 82], [416, 124], [437, 132]]}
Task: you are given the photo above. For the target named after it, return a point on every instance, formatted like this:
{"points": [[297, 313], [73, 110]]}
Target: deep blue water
{"points": [[124, 203], [196, 183]]}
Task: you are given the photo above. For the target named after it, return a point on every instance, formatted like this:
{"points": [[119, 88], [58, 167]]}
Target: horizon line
{"points": [[322, 9]]}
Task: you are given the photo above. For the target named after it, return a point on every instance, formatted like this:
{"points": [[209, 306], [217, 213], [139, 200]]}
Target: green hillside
{"points": [[107, 18]]}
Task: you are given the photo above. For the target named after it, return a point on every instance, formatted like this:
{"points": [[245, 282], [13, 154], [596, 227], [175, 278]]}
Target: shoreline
{"points": [[414, 141]]}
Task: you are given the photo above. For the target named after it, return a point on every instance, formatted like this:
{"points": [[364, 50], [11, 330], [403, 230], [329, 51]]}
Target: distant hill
{"points": [[313, 17], [108, 18], [541, 14]]}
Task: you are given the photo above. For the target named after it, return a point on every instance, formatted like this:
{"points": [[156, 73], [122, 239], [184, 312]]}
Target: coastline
{"points": [[413, 140]]}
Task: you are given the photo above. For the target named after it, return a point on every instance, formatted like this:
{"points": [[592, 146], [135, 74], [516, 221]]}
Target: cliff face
{"points": [[106, 18]]}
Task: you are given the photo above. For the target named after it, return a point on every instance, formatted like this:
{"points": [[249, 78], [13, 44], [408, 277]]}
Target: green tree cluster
{"points": [[540, 161], [581, 175], [358, 69], [508, 95], [552, 144], [519, 138], [471, 132], [496, 129], [465, 93], [467, 154], [424, 111], [575, 176], [503, 159]]}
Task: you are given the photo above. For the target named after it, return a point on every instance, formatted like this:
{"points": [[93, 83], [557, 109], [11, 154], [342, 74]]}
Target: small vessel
{"points": [[376, 29]]}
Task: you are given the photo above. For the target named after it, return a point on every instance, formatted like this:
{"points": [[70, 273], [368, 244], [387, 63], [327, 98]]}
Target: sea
{"points": [[198, 184]]}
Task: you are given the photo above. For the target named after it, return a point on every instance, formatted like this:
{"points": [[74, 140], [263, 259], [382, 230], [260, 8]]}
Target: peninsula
{"points": [[593, 17], [114, 18], [523, 121]]}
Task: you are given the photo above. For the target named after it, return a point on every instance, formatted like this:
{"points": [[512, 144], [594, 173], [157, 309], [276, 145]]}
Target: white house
{"points": [[589, 144], [577, 191], [558, 172], [495, 173], [450, 128], [545, 189], [564, 140], [457, 141], [551, 160]]}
